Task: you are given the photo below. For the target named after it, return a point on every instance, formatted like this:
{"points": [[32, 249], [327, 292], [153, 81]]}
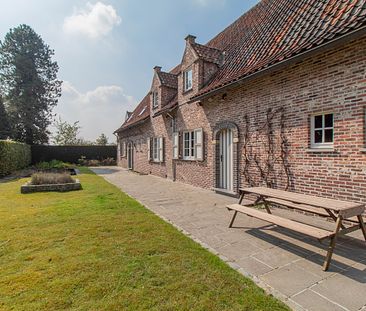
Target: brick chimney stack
{"points": [[157, 68], [190, 39]]}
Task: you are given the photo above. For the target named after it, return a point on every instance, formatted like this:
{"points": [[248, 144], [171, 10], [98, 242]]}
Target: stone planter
{"points": [[28, 188]]}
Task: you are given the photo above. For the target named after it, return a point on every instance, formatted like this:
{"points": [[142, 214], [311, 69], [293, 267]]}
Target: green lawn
{"points": [[98, 249]]}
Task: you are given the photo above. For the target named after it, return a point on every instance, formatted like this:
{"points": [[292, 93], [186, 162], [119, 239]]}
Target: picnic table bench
{"points": [[324, 207]]}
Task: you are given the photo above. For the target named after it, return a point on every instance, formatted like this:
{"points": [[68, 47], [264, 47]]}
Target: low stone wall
{"points": [[28, 188]]}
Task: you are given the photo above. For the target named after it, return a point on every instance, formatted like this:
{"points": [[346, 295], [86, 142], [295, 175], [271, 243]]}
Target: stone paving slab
{"points": [[285, 263]]}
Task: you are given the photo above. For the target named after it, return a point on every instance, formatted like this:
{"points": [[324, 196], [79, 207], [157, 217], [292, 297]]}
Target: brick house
{"points": [[277, 98]]}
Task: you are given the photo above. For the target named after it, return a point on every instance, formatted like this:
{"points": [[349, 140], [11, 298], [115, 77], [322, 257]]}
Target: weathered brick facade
{"points": [[269, 116]]}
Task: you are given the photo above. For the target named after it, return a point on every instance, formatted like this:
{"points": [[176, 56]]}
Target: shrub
{"points": [[53, 164], [85, 162], [13, 156], [109, 162], [51, 178]]}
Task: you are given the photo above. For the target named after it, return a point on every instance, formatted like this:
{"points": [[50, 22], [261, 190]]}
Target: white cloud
{"points": [[94, 21], [101, 110]]}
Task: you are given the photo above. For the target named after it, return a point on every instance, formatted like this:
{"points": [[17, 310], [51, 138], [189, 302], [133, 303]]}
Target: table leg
{"points": [[332, 244], [232, 219], [334, 217], [241, 197], [266, 205], [236, 212], [362, 225]]}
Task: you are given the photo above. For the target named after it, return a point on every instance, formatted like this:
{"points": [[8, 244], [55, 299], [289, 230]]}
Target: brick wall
{"points": [[333, 81]]}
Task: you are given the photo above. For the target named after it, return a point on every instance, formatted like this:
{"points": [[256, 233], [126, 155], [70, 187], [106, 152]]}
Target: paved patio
{"points": [[286, 264]]}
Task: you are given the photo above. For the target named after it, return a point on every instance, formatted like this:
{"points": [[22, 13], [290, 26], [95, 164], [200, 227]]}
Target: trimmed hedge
{"points": [[13, 156], [71, 154]]}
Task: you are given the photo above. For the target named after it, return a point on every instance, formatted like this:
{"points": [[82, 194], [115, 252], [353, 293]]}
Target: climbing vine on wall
{"points": [[266, 151]]}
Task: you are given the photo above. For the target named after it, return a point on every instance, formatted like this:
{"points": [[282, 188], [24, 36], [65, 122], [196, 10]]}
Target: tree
{"points": [[102, 140], [66, 133], [28, 80], [4, 122]]}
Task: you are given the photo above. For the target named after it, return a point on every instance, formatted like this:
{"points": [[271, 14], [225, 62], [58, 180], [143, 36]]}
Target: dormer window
{"points": [[155, 102], [187, 80]]}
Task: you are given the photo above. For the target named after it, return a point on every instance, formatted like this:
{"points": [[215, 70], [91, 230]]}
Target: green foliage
{"points": [[53, 164], [28, 81], [51, 178], [92, 162], [4, 121], [102, 140], [99, 249], [66, 133], [13, 156]]}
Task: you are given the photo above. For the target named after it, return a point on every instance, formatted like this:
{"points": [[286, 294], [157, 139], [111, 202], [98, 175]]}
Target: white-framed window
{"points": [[155, 101], [173, 124], [193, 145], [188, 145], [122, 149], [187, 80], [322, 130], [175, 141], [156, 149], [142, 111]]}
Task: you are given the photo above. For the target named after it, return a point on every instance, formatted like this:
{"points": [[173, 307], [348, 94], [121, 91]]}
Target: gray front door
{"points": [[130, 156], [226, 159]]}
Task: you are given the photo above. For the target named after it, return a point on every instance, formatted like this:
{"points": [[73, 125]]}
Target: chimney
{"points": [[157, 68], [190, 39]]}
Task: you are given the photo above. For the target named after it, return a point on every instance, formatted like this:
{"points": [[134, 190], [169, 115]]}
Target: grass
{"points": [[98, 249]]}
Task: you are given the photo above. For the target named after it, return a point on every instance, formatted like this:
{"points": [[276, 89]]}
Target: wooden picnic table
{"points": [[336, 209]]}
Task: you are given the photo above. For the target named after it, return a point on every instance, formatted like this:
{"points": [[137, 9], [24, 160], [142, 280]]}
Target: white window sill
{"points": [[363, 150], [320, 150]]}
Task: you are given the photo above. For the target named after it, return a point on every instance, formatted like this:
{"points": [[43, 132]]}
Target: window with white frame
{"points": [[188, 145], [173, 124], [155, 102], [322, 130], [187, 80], [156, 149], [192, 145], [122, 148]]}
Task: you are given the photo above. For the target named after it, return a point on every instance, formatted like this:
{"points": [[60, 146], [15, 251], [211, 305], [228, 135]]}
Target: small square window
{"points": [[322, 131]]}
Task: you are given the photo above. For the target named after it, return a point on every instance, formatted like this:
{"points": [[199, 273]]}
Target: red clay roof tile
{"points": [[270, 32], [275, 30]]}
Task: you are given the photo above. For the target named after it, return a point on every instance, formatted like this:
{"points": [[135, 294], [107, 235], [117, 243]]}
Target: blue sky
{"points": [[106, 49]]}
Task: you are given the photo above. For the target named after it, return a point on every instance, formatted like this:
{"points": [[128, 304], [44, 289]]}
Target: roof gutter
{"points": [[355, 34]]}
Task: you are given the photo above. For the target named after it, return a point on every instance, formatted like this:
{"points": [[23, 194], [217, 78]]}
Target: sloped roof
{"points": [[275, 30], [141, 113], [271, 32], [207, 53], [168, 79]]}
